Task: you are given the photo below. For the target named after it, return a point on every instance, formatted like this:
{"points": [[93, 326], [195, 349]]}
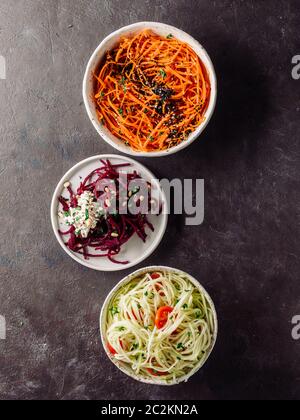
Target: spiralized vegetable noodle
{"points": [[151, 91], [160, 326]]}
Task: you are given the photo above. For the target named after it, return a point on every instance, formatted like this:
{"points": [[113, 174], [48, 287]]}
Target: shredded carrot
{"points": [[152, 92]]}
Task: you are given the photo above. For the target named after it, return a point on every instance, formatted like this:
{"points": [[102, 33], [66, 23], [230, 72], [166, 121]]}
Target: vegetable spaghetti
{"points": [[152, 92], [160, 326]]}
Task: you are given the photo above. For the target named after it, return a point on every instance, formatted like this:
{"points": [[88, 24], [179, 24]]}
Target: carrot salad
{"points": [[151, 91]]}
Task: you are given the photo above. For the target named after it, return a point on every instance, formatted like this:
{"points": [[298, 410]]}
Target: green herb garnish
{"points": [[163, 73], [114, 310], [135, 346]]}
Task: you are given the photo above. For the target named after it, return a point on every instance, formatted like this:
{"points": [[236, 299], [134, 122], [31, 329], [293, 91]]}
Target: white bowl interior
{"points": [[109, 43], [104, 312], [134, 250]]}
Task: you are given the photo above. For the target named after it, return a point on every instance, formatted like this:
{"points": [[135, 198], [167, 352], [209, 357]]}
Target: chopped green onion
{"points": [[163, 73]]}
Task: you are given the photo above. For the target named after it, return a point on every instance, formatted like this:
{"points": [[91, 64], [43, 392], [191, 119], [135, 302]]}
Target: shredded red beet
{"points": [[123, 227]]}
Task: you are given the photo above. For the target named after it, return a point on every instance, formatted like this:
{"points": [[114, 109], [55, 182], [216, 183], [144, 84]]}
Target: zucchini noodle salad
{"points": [[160, 327]]}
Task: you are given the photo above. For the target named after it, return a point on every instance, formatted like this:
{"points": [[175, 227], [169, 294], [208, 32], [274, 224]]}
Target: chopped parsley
{"points": [[135, 346], [163, 73]]}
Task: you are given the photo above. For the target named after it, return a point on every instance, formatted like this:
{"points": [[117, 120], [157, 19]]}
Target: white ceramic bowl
{"points": [[134, 250], [105, 308], [109, 43]]}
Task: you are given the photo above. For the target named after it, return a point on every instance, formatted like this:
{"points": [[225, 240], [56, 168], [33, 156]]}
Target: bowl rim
{"points": [[53, 214], [108, 137], [126, 280]]}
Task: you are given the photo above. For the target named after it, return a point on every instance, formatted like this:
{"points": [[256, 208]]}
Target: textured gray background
{"points": [[246, 252]]}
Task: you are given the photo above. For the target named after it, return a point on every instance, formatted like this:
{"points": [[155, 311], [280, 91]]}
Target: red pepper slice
{"points": [[162, 316], [111, 349], [134, 315], [155, 276]]}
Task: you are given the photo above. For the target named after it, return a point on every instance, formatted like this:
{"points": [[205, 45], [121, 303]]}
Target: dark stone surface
{"points": [[246, 252]]}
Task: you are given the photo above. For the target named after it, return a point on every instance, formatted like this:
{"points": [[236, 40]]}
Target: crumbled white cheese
{"points": [[85, 216]]}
